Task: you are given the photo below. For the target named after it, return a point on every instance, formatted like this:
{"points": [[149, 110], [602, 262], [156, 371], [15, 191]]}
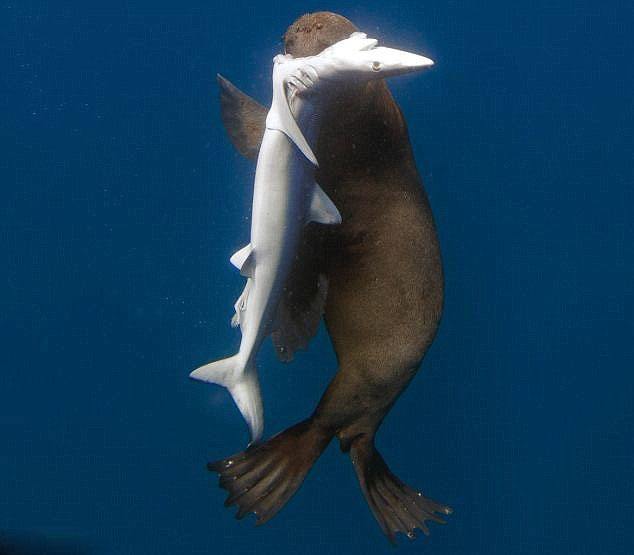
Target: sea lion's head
{"points": [[313, 32], [347, 58], [362, 126]]}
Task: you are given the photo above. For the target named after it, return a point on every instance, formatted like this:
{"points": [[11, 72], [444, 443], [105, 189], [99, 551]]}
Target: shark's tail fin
{"points": [[242, 382]]}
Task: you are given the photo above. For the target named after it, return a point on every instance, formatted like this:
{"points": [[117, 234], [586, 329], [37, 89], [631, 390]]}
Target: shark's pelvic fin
{"points": [[244, 260], [322, 210], [241, 304]]}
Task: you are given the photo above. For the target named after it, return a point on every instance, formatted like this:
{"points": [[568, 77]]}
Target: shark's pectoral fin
{"points": [[322, 210], [243, 118], [280, 118], [244, 260]]}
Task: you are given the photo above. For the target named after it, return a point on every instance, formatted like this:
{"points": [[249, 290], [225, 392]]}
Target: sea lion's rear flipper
{"points": [[395, 506], [263, 478], [244, 118]]}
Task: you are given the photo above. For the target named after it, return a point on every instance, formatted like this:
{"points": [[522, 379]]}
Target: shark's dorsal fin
{"points": [[322, 210], [244, 260], [280, 116]]}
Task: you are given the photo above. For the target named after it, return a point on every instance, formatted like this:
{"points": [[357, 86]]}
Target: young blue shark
{"points": [[286, 197]]}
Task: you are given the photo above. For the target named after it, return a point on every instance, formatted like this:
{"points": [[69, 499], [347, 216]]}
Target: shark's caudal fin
{"points": [[243, 385]]}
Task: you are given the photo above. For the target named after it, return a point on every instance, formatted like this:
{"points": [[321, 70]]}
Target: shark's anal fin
{"points": [[322, 210], [244, 260]]}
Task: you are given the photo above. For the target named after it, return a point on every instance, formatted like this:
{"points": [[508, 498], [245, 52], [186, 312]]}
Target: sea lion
{"points": [[384, 299]]}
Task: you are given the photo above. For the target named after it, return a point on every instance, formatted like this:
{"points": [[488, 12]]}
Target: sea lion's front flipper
{"points": [[295, 325], [244, 118], [303, 301], [395, 506]]}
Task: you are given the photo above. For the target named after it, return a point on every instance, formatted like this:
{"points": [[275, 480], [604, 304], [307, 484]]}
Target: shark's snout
{"points": [[419, 62], [389, 62]]}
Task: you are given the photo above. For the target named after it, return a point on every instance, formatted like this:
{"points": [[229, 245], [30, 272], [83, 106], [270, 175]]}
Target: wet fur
{"points": [[384, 301]]}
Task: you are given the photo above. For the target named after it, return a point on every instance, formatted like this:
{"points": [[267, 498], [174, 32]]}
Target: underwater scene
{"points": [[317, 278]]}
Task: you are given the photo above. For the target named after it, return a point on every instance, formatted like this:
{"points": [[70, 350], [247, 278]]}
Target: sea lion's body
{"points": [[383, 263], [383, 305]]}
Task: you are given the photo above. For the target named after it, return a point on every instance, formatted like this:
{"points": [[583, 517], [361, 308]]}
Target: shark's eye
{"points": [[376, 66]]}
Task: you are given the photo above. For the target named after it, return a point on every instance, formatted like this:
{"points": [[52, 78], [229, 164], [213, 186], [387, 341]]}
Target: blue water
{"points": [[122, 200]]}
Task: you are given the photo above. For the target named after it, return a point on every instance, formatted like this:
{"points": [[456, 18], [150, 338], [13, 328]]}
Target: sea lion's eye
{"points": [[376, 66]]}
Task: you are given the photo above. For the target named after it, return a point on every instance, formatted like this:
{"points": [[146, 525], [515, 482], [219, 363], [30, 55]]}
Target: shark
{"points": [[286, 198]]}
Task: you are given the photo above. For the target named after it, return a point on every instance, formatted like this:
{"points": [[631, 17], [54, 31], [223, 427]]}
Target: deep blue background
{"points": [[122, 200]]}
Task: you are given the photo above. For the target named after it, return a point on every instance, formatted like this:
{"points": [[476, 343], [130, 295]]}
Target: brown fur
{"points": [[385, 289]]}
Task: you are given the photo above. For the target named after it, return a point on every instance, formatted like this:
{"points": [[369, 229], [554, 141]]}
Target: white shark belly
{"points": [[280, 203]]}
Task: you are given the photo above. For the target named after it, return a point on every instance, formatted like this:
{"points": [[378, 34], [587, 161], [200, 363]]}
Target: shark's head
{"points": [[359, 58], [356, 59]]}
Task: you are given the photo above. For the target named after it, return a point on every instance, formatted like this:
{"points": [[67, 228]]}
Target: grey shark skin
{"points": [[384, 295]]}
